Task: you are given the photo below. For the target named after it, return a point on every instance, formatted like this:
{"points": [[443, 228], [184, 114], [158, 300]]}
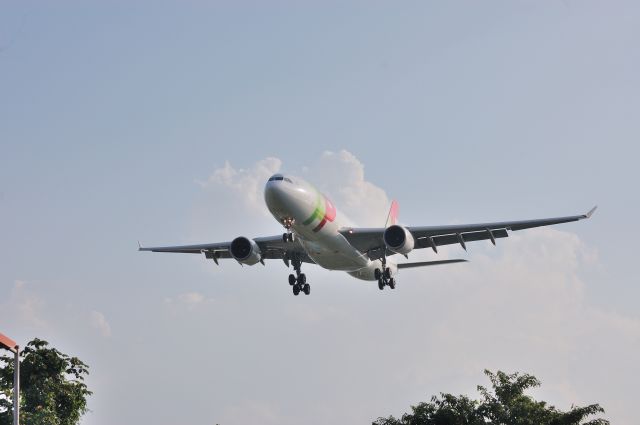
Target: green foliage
{"points": [[505, 404], [52, 388]]}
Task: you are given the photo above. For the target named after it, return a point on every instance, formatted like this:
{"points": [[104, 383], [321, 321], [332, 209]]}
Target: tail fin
{"points": [[392, 218]]}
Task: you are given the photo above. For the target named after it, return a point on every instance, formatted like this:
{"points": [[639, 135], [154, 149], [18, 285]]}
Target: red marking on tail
{"points": [[393, 214]]}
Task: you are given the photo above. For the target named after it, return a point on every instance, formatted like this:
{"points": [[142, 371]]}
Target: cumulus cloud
{"points": [[233, 195], [100, 323], [342, 175], [339, 174], [25, 305], [248, 183], [526, 308], [523, 306], [187, 301]]}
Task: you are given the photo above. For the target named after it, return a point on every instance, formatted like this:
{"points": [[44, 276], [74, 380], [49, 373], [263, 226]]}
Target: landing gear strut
{"points": [[287, 223], [287, 237], [299, 280], [384, 276]]}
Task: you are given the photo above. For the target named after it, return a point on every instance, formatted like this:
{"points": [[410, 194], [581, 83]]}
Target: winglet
{"points": [[591, 211]]}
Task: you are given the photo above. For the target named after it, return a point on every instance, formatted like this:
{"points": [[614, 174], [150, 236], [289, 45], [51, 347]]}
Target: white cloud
{"points": [[236, 195], [25, 308], [188, 301], [100, 323], [526, 310], [248, 184], [342, 176], [24, 305], [522, 306], [231, 195]]}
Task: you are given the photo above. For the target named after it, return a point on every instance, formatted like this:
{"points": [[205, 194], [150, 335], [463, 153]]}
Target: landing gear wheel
{"points": [[381, 284], [285, 238], [290, 237], [299, 280], [387, 273], [392, 283], [377, 274]]}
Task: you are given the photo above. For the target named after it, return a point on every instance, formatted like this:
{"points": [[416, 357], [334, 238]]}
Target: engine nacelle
{"points": [[398, 239], [245, 250]]}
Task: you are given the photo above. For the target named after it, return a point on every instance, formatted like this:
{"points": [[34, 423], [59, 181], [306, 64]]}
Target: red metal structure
{"points": [[9, 344]]}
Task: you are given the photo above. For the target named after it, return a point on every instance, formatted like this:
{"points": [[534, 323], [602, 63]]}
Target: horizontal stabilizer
{"points": [[429, 263]]}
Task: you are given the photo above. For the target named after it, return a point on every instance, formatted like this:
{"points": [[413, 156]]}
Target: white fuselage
{"points": [[316, 224]]}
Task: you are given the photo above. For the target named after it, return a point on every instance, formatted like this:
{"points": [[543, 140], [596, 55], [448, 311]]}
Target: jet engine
{"points": [[398, 239], [245, 251]]}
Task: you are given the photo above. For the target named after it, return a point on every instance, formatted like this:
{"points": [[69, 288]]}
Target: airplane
{"points": [[316, 234]]}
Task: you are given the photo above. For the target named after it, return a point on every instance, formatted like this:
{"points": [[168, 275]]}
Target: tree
{"points": [[52, 388], [505, 404]]}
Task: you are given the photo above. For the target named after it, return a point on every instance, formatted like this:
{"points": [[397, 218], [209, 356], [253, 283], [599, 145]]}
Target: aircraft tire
{"points": [[292, 279], [377, 274], [307, 289], [392, 283], [381, 284], [387, 273], [296, 290], [302, 279]]}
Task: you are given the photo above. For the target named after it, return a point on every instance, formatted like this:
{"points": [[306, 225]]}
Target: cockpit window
{"points": [[279, 177]]}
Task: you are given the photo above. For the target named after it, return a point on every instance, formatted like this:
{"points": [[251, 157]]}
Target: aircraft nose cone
{"points": [[271, 192], [276, 195]]}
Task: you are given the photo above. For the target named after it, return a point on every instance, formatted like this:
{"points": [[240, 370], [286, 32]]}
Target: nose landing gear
{"points": [[287, 222], [299, 280], [287, 237]]}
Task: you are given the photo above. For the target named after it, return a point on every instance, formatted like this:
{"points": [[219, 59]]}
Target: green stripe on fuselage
{"points": [[317, 213]]}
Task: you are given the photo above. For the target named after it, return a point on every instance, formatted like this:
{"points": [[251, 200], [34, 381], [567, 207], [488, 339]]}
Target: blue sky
{"points": [[121, 122]]}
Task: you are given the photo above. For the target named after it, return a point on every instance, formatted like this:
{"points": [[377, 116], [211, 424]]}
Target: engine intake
{"points": [[245, 250], [398, 239]]}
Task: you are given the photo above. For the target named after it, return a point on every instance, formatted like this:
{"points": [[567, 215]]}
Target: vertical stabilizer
{"points": [[392, 218]]}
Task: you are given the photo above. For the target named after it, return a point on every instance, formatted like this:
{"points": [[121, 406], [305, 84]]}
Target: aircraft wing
{"points": [[271, 247], [370, 240]]}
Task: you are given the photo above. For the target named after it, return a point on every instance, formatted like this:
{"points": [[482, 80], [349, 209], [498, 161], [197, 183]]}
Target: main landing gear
{"points": [[384, 277], [299, 280]]}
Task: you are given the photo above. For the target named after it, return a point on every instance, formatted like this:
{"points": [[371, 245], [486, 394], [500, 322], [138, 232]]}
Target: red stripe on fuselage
{"points": [[329, 214]]}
